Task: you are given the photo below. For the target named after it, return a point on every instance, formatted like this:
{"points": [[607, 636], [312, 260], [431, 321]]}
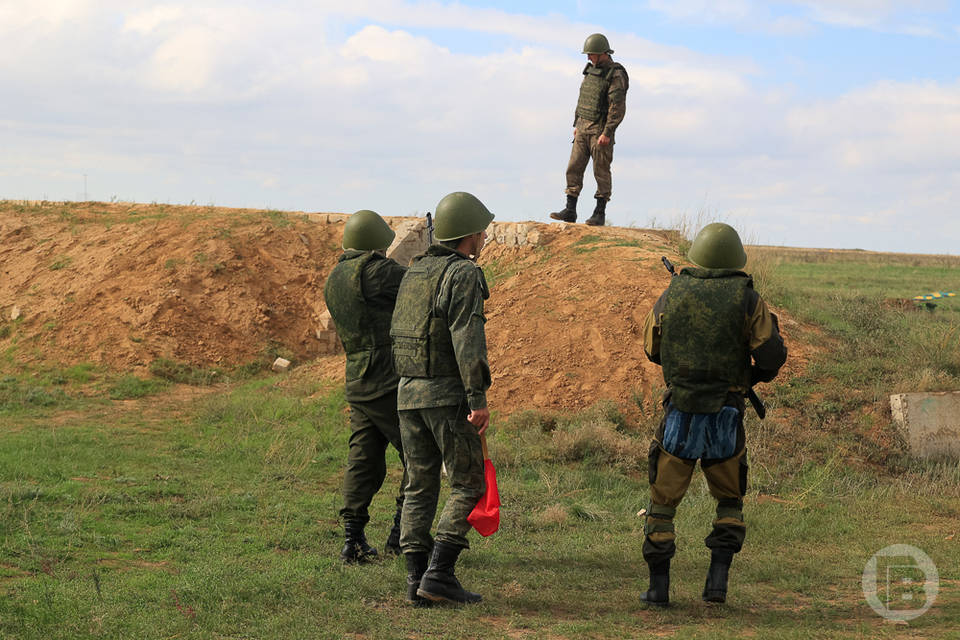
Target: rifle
{"points": [[429, 228], [755, 400]]}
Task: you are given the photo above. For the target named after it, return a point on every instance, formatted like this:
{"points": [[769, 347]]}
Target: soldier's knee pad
{"points": [[658, 526], [730, 511]]}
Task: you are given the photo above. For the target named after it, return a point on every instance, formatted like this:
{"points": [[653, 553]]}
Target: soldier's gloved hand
{"points": [[480, 418]]}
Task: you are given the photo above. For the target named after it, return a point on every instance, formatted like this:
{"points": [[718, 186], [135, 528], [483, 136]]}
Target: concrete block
{"points": [[280, 365], [930, 422], [326, 322], [329, 342], [412, 239]]}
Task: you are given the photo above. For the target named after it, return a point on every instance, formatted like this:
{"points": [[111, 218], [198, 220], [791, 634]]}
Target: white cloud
{"points": [[397, 49], [886, 125], [152, 19]]}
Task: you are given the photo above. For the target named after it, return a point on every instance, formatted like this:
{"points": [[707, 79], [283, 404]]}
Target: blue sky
{"points": [[807, 123]]}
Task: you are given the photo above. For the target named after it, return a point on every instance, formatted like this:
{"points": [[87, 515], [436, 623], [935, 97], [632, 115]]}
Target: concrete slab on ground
{"points": [[930, 422]]}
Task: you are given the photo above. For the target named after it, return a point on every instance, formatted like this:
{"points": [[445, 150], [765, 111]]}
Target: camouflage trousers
{"points": [[670, 477], [435, 437], [373, 424], [585, 148]]}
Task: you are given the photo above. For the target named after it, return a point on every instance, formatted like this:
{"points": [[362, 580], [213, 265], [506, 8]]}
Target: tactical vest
{"points": [[592, 104], [422, 345], [362, 328], [705, 342]]}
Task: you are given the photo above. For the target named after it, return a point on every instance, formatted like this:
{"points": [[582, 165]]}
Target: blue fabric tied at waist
{"points": [[701, 435]]}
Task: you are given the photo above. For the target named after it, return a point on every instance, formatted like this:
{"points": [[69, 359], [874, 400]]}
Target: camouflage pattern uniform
{"points": [[360, 294], [597, 114], [704, 330], [451, 377]]}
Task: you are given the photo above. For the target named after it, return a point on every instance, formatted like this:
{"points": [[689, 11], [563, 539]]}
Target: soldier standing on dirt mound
{"points": [[715, 338], [440, 352], [360, 293], [600, 109]]}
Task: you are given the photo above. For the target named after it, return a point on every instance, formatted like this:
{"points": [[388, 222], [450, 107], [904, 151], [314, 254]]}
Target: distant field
{"points": [[795, 254]]}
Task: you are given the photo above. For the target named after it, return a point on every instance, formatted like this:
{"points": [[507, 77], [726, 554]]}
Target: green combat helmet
{"points": [[458, 215], [367, 231], [597, 43], [718, 246]]}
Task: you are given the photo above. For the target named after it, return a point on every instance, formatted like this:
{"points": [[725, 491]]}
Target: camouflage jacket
{"points": [[360, 294], [713, 334], [460, 304], [616, 104]]}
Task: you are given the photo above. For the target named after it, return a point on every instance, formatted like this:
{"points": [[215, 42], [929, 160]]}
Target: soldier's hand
{"points": [[480, 418], [603, 140], [574, 132]]}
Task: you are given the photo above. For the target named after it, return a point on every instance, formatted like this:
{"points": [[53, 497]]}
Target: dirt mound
{"points": [[123, 284], [566, 329]]}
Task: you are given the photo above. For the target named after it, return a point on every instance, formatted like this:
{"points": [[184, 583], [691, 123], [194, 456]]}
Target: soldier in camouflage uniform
{"points": [[360, 294], [600, 110], [714, 337], [440, 352]]}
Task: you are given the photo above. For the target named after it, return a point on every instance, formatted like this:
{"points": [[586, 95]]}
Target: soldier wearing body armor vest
{"points": [[440, 352], [715, 338], [600, 110], [360, 294]]}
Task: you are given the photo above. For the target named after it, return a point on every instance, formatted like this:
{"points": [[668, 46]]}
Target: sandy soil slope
{"points": [[123, 284]]}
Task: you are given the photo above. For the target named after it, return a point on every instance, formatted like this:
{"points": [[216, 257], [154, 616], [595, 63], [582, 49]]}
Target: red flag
{"points": [[485, 517]]}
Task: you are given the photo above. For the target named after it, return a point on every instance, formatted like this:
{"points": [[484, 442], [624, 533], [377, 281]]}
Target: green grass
{"points": [[876, 345], [185, 373], [222, 523], [498, 270], [130, 386]]}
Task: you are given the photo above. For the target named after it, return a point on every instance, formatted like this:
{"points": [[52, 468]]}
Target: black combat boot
{"points": [[355, 549], [715, 589], [659, 592], [438, 583], [416, 566], [392, 545], [599, 213], [569, 212]]}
